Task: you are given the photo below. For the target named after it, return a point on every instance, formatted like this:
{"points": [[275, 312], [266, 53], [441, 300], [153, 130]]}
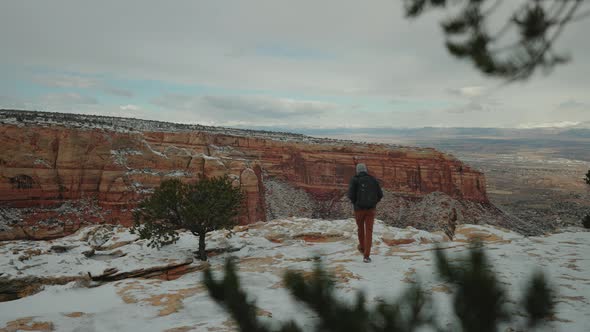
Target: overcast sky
{"points": [[297, 63]]}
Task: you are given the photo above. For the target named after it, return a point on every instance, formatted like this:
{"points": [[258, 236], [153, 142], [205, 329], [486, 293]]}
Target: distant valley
{"points": [[534, 174]]}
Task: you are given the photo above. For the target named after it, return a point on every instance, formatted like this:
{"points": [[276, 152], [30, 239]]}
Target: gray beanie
{"points": [[361, 168]]}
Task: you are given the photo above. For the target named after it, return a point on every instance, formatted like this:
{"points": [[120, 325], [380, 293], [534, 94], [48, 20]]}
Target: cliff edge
{"points": [[59, 171]]}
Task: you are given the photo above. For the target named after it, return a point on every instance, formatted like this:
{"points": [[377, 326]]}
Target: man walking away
{"points": [[364, 192]]}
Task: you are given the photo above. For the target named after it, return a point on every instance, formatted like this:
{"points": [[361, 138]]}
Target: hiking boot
{"points": [[367, 259]]}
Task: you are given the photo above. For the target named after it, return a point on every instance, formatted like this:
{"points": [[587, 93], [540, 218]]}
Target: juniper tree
{"points": [[522, 43], [232, 298], [406, 314], [480, 302], [200, 207], [317, 293]]}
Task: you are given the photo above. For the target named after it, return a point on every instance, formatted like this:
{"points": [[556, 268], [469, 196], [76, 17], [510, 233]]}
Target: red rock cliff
{"points": [[45, 166]]}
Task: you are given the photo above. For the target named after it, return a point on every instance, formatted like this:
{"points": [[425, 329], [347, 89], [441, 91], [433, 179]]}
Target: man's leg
{"points": [[369, 220], [359, 217]]}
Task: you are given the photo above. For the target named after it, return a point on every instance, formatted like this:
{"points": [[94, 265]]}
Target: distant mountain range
{"points": [[579, 130]]}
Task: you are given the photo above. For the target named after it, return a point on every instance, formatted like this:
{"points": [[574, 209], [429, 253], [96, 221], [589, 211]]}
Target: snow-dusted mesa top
{"points": [[121, 124]]}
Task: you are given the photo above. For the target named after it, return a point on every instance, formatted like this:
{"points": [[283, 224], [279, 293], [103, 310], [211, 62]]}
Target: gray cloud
{"points": [[118, 92], [67, 99], [572, 104], [468, 91], [268, 106], [80, 82], [472, 99], [472, 106], [129, 107], [374, 52], [66, 102], [375, 55], [177, 102], [66, 81], [9, 102], [244, 109], [575, 110]]}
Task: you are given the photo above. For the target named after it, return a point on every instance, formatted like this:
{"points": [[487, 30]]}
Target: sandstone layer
{"points": [[102, 169]]}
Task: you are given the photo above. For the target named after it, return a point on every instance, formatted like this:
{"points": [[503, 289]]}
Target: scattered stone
{"points": [[60, 249], [16, 288], [110, 271], [217, 251], [118, 253], [29, 253], [115, 245], [8, 290], [99, 236], [88, 253]]}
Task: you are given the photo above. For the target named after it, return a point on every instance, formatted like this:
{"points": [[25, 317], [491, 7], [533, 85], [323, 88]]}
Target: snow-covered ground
{"points": [[266, 251]]}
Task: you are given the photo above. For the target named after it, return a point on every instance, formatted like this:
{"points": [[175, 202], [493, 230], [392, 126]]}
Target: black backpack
{"points": [[366, 192]]}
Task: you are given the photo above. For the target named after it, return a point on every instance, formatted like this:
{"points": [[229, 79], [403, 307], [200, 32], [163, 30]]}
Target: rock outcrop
{"points": [[101, 167]]}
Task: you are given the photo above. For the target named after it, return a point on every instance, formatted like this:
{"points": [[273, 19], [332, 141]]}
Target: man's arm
{"points": [[352, 190], [379, 191]]}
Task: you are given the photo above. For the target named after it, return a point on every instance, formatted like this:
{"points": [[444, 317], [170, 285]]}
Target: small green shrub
{"points": [[201, 207]]}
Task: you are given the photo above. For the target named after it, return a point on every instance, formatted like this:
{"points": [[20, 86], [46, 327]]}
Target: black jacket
{"points": [[352, 189]]}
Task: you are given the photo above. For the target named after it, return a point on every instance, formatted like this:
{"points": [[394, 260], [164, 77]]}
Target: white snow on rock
{"points": [[131, 125], [264, 252]]}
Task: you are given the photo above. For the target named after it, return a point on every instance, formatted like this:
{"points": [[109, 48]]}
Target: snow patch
{"points": [[264, 252]]}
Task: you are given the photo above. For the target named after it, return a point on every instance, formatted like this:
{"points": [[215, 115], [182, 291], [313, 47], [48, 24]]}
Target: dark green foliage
{"points": [[416, 7], [200, 207], [534, 24], [538, 300], [228, 293], [480, 303], [411, 311], [318, 294], [479, 300], [587, 178]]}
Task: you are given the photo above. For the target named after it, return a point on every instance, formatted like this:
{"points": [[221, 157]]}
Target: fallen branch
{"points": [[168, 272]]}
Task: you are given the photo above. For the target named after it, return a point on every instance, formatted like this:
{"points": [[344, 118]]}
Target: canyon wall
{"points": [[56, 176]]}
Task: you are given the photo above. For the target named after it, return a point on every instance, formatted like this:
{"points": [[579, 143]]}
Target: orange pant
{"points": [[364, 221]]}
